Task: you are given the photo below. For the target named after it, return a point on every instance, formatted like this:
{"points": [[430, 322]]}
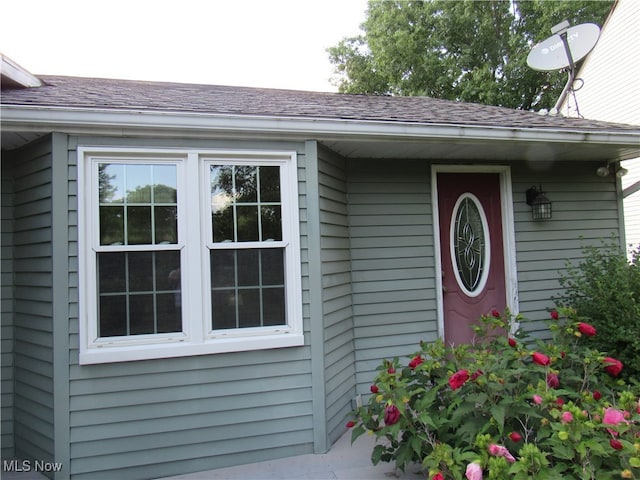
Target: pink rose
{"points": [[391, 415], [586, 329], [474, 472], [567, 417], [613, 367], [613, 416], [537, 399], [552, 380], [500, 451], [458, 379], [541, 359], [415, 361]]}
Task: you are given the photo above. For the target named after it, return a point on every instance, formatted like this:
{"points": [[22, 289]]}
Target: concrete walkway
{"points": [[343, 461]]}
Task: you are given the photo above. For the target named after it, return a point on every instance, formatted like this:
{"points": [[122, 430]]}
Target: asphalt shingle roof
{"points": [[77, 92]]}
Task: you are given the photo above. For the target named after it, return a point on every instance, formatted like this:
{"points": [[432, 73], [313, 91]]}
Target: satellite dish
{"points": [[550, 54]]}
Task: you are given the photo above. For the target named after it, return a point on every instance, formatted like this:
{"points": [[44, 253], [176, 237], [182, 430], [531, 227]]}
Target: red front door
{"points": [[471, 249]]}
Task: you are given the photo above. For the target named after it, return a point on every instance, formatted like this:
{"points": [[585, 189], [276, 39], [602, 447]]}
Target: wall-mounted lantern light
{"points": [[540, 204]]}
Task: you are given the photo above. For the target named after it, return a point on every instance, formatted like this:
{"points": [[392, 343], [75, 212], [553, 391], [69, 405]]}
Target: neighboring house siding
{"points": [[585, 212], [7, 312], [611, 91], [339, 356], [33, 301], [163, 417], [394, 301]]}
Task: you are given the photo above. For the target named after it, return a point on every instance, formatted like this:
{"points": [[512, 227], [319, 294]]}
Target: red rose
{"points": [[515, 437], [437, 476], [476, 374], [495, 313], [458, 379], [552, 380], [391, 415], [512, 342], [541, 359], [415, 361], [586, 329], [615, 443], [350, 424], [597, 395], [391, 370], [374, 389], [613, 367], [554, 314]]}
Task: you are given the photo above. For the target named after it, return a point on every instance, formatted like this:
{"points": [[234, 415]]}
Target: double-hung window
{"points": [[187, 253]]}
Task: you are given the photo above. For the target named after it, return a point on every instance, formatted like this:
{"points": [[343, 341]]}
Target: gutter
{"points": [[122, 122]]}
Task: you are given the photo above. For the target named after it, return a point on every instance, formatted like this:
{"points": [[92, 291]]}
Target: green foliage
{"points": [[605, 288], [467, 50], [510, 409]]}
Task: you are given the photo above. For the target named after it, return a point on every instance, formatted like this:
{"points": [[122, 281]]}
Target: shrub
{"points": [[507, 409], [605, 288]]}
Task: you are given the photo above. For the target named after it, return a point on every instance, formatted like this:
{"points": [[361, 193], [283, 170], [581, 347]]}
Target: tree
{"points": [[467, 50]]}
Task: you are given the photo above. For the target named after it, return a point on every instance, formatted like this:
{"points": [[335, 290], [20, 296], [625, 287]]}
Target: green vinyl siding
{"points": [[7, 312], [585, 212], [392, 250], [339, 355], [164, 417], [33, 404]]}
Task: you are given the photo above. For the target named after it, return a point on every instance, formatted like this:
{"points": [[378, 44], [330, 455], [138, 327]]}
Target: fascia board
{"points": [[78, 120]]}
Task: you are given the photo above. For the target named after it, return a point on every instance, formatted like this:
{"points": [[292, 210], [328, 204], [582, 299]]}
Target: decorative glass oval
{"points": [[470, 245]]}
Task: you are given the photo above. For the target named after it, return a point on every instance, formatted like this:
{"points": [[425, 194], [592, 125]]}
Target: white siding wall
{"points": [[611, 90]]}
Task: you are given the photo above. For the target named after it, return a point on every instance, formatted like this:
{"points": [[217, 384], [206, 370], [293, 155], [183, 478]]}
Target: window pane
{"points": [[165, 183], [141, 314], [223, 225], [270, 184], [138, 225], [113, 316], [223, 270], [249, 308], [169, 313], [111, 272], [166, 220], [272, 266], [248, 268], [223, 309], [247, 224], [138, 180], [273, 306], [140, 271], [110, 183], [111, 225], [246, 183], [140, 293], [271, 223]]}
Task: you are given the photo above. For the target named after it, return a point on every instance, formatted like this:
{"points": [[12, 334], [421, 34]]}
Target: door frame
{"points": [[508, 234]]}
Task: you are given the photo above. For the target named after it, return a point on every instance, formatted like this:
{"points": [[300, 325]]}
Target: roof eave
{"points": [[166, 123]]}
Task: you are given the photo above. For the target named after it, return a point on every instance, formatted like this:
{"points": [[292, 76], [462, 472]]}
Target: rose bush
{"points": [[507, 408]]}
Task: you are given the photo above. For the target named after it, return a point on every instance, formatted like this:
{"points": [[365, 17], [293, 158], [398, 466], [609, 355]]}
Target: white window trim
{"points": [[196, 339]]}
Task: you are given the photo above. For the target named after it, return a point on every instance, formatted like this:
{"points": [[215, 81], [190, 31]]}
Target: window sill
{"points": [[129, 353]]}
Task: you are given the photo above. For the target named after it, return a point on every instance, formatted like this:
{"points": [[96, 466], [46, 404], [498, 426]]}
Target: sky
{"points": [[268, 43]]}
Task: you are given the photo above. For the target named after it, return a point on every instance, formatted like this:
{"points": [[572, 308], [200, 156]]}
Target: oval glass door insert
{"points": [[470, 244]]}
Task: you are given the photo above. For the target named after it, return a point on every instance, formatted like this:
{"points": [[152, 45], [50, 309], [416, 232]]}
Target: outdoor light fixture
{"points": [[611, 168], [540, 204]]}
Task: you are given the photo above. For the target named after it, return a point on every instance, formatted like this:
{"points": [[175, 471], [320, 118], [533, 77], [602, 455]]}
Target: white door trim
{"points": [[508, 234]]}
